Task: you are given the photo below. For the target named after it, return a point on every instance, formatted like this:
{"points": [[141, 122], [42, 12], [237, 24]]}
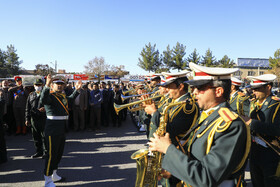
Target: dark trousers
{"points": [[79, 118], [3, 150], [95, 117], [264, 164], [55, 146], [19, 116], [105, 115], [9, 119], [37, 129], [117, 118]]}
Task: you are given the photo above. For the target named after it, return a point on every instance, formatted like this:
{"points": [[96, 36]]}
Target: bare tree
{"points": [[96, 67]]}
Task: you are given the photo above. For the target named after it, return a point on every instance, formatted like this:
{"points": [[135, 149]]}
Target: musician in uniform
{"points": [[239, 102], [218, 144], [265, 129], [181, 117], [164, 100], [56, 106]]}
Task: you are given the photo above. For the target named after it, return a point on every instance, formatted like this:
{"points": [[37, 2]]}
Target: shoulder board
{"points": [[275, 98], [227, 115], [241, 94]]}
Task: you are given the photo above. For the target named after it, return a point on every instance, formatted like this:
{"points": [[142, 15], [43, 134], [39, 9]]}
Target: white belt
{"points": [[227, 183], [259, 141], [57, 117]]}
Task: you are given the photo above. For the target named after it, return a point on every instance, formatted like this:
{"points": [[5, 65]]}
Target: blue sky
{"points": [[72, 32]]}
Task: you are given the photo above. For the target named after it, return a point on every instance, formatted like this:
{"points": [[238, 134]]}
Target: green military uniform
{"points": [[154, 125], [217, 152], [180, 119], [240, 103], [57, 116], [264, 162]]}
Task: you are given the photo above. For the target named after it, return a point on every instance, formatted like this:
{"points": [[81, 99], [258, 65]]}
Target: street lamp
{"points": [[55, 66]]}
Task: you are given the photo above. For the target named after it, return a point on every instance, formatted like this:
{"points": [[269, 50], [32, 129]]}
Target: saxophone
{"points": [[149, 163]]}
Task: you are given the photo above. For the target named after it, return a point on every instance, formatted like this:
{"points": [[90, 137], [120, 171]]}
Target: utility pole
{"points": [[55, 66]]}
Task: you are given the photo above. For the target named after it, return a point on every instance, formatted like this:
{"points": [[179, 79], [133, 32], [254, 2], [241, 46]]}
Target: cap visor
{"points": [[197, 82], [58, 81]]}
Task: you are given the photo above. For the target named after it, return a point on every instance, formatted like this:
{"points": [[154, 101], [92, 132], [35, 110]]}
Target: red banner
{"points": [[80, 77]]}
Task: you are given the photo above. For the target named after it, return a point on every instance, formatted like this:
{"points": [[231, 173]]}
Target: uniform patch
{"points": [[275, 98], [227, 115], [241, 94]]}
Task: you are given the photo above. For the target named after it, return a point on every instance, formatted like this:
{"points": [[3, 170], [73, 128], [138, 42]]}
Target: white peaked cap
{"points": [[171, 77], [203, 75], [258, 81], [235, 81]]}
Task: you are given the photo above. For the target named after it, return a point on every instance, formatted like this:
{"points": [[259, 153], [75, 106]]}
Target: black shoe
{"points": [[36, 155], [44, 156]]}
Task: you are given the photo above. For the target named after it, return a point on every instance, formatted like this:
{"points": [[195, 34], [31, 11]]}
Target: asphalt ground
{"points": [[90, 159]]}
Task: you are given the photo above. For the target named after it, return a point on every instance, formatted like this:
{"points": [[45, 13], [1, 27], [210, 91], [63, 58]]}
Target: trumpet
{"points": [[118, 108], [131, 96], [131, 91]]}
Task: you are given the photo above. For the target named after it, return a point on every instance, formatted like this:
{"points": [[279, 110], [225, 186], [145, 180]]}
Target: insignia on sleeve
{"points": [[227, 115], [241, 94], [275, 98]]}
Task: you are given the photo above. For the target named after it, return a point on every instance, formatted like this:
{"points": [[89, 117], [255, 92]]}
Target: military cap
{"points": [[155, 76], [59, 79], [172, 77], [17, 78], [235, 81], [261, 80], [162, 81], [203, 75], [38, 81]]}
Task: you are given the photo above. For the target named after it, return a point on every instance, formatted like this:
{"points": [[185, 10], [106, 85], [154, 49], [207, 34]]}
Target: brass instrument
{"points": [[131, 96], [149, 166], [118, 108], [131, 91]]}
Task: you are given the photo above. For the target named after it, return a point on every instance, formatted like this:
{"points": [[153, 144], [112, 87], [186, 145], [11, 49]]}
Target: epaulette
{"points": [[275, 98], [227, 115], [241, 94]]}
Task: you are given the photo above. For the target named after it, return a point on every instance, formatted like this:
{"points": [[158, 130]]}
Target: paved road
{"points": [[90, 159]]}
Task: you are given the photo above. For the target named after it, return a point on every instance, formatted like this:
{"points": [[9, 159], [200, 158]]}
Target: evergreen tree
{"points": [[274, 63], [178, 54], [167, 58], [9, 62], [150, 59], [194, 57], [226, 62], [208, 60]]}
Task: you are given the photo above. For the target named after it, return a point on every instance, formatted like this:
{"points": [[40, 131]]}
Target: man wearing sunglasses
{"points": [[219, 142], [265, 129]]}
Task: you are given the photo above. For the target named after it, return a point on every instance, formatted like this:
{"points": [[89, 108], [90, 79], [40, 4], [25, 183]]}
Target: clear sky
{"points": [[72, 32]]}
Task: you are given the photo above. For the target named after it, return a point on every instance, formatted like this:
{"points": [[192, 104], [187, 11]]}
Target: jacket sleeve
{"points": [[271, 127], [45, 98], [28, 109], [218, 165]]}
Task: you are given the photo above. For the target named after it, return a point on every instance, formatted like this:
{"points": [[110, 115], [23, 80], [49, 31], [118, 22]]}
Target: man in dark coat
{"points": [[35, 116]]}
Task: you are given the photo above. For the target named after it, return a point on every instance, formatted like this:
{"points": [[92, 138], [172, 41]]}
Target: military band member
{"points": [[239, 102], [181, 117], [265, 129], [162, 103], [218, 146], [56, 106], [35, 116]]}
